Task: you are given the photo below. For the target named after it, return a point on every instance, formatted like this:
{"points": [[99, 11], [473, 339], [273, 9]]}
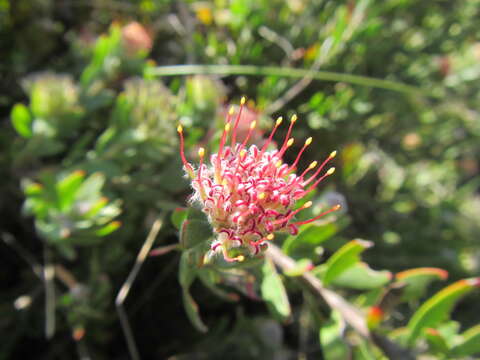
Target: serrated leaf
{"points": [[22, 120], [273, 292], [439, 306], [344, 258], [418, 279], [470, 344], [361, 277]]}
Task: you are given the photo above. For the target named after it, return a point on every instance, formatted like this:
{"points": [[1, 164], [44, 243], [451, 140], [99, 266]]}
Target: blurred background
{"points": [[91, 93]]}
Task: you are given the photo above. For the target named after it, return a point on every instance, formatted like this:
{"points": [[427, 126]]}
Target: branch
{"points": [[350, 313]]}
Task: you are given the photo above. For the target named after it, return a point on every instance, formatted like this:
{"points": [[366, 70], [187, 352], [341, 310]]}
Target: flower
{"points": [[248, 193]]}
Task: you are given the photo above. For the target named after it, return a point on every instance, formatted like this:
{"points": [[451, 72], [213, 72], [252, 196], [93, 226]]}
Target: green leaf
{"points": [[194, 231], [22, 120], [67, 189], [109, 228], [273, 292], [418, 279], [188, 270], [191, 309], [361, 277], [309, 238], [438, 307], [331, 339], [301, 266], [179, 215], [343, 258], [436, 341], [470, 344]]}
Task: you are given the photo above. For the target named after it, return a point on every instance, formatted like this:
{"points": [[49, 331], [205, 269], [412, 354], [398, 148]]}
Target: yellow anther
{"points": [[336, 207], [312, 164], [252, 125], [227, 127], [201, 152], [278, 163], [308, 141], [270, 237], [261, 196], [279, 121], [179, 129], [290, 142], [243, 100], [224, 182], [331, 171], [294, 118], [231, 110], [333, 154], [240, 258], [307, 205], [242, 153]]}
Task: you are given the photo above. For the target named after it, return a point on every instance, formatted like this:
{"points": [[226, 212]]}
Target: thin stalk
{"points": [[252, 70]]}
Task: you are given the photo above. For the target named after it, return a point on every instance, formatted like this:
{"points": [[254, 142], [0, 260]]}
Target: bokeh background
{"points": [[89, 158]]}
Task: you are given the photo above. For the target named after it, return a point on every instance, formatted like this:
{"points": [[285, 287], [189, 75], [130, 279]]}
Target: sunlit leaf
{"points": [[22, 120], [273, 292], [470, 344], [439, 306], [345, 257]]}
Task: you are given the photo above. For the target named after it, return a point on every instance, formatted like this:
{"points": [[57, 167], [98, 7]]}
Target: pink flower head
{"points": [[249, 193]]}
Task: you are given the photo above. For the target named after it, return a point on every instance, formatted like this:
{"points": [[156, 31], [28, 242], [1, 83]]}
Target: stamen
{"points": [[328, 173], [201, 154], [269, 140], [227, 258], [307, 143], [253, 124], [226, 129], [334, 208], [293, 119], [234, 131], [284, 148], [330, 157], [293, 213], [310, 167], [188, 167]]}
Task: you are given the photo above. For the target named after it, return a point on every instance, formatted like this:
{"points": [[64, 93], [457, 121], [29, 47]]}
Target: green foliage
{"points": [[92, 141]]}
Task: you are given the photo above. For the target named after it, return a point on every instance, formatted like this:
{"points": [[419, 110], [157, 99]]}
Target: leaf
{"points": [[195, 229], [301, 266], [191, 309], [436, 341], [344, 258], [361, 277], [309, 238], [178, 216], [418, 279], [22, 120], [470, 344], [67, 189], [273, 292], [187, 271], [331, 339], [186, 275], [109, 228], [438, 307]]}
